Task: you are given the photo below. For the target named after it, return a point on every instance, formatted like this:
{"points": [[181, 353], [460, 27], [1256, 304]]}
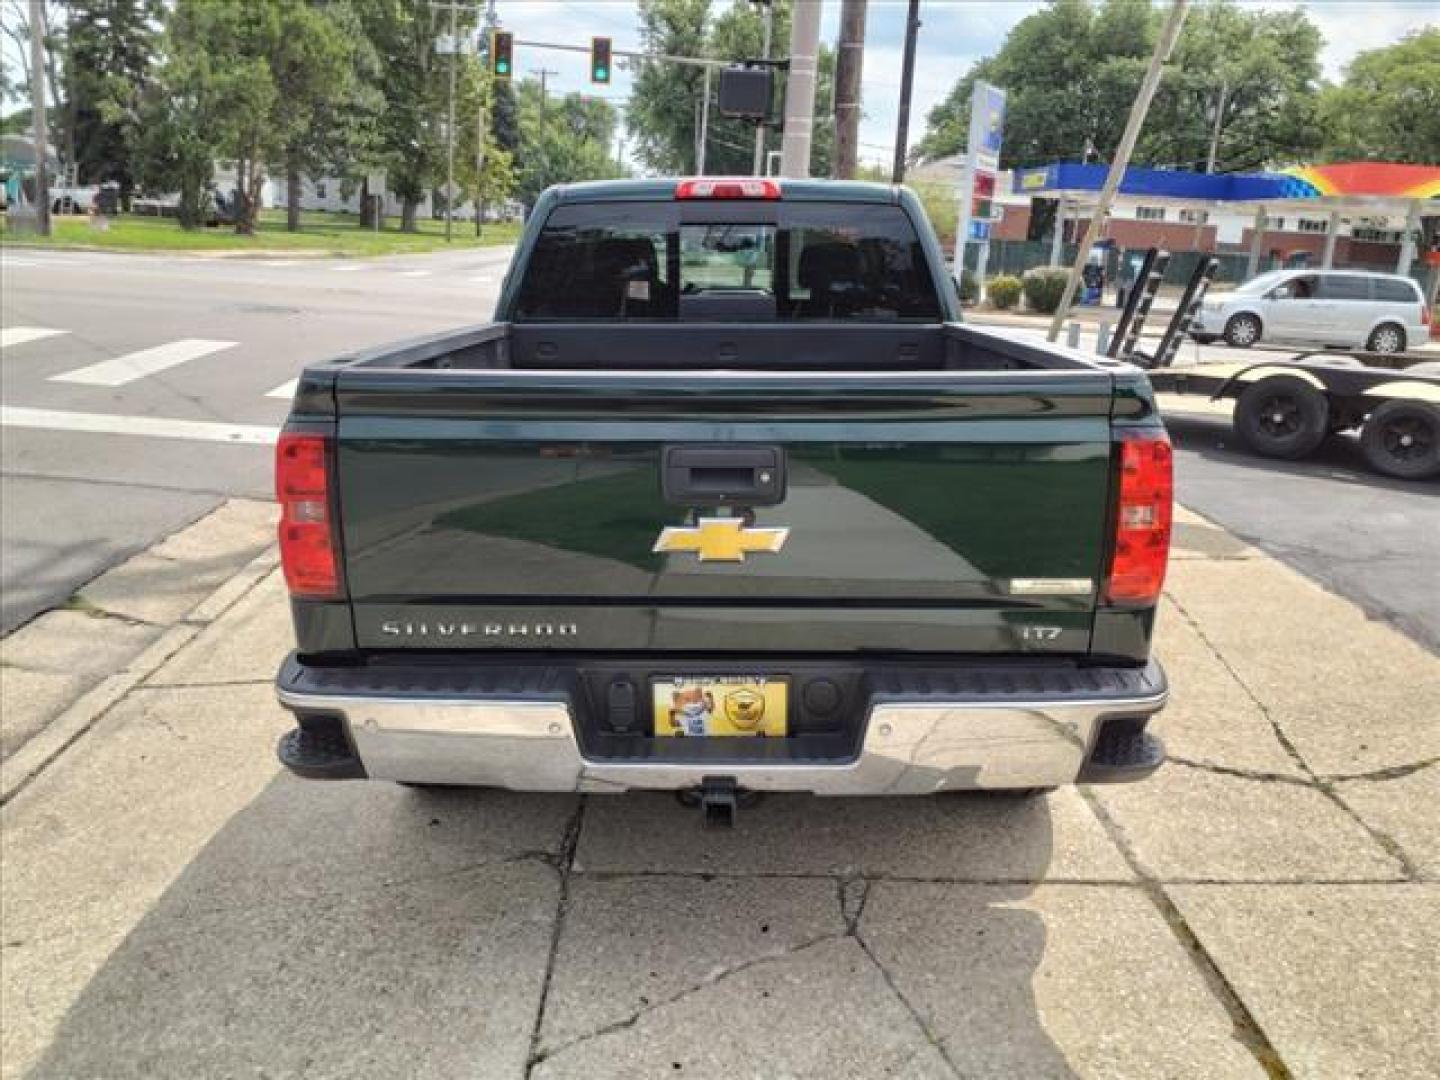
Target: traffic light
{"points": [[502, 62], [982, 206], [600, 60]]}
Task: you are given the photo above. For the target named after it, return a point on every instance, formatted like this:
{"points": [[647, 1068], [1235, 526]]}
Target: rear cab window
{"points": [[776, 261]]}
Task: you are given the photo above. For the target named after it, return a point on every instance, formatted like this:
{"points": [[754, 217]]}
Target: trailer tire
{"points": [[1386, 338], [1282, 417], [1402, 439], [1242, 331]]}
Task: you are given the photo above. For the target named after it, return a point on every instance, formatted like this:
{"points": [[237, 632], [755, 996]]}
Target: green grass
{"points": [[321, 234]]}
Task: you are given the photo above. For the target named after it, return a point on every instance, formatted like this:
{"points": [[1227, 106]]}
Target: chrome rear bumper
{"points": [[909, 747]]}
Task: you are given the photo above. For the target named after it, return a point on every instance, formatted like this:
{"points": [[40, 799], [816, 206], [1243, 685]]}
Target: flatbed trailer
{"points": [[1286, 406]]}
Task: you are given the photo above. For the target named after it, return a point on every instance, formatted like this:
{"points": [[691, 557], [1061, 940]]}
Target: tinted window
{"points": [[1344, 287], [1402, 292], [798, 261]]}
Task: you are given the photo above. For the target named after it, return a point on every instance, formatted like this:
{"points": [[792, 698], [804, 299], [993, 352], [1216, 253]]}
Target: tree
{"points": [[1260, 70], [662, 117], [179, 124], [1388, 106], [1071, 71], [409, 140], [664, 114], [112, 51], [562, 140], [325, 71]]}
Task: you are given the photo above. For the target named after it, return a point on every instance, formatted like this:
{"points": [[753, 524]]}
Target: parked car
{"points": [[1383, 313], [766, 516]]}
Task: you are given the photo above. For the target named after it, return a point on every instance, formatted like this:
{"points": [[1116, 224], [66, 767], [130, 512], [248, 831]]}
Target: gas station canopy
{"points": [[1355, 179], [1360, 185]]}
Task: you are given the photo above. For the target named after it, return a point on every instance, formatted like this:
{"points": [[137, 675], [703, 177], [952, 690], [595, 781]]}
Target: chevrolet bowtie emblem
{"points": [[720, 539]]}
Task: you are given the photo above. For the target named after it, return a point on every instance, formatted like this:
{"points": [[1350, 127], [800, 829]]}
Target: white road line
{"points": [[285, 390], [136, 365], [153, 426], [7, 261], [415, 273], [280, 262], [346, 269], [19, 335], [484, 279]]}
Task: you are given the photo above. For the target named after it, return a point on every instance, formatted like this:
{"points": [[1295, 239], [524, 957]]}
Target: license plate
{"points": [[723, 705]]}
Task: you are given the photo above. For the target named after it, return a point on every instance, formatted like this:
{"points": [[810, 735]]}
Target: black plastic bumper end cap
{"points": [[1122, 757], [318, 756]]}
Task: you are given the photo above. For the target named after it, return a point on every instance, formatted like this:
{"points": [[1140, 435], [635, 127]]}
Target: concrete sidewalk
{"points": [[176, 906]]}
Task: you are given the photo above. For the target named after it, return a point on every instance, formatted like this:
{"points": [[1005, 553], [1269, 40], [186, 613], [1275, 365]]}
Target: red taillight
{"points": [[1142, 519], [307, 538], [731, 188]]}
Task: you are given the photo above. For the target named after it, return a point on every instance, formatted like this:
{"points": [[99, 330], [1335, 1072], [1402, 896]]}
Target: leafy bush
{"points": [[1044, 286], [969, 287], [1004, 291]]}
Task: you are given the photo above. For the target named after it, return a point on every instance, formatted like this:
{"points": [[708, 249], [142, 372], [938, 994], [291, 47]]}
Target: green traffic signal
{"points": [[600, 60]]}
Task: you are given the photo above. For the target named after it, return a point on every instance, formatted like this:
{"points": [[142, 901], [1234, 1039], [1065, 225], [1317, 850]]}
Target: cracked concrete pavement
{"points": [[177, 906]]}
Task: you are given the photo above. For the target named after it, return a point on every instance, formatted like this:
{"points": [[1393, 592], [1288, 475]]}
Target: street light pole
{"points": [[907, 82], [758, 164]]}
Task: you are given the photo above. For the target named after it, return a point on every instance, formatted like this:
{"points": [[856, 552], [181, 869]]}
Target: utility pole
{"points": [[544, 74], [480, 110], [37, 107], [907, 82], [849, 60], [800, 88], [450, 129], [1163, 48], [702, 132], [758, 166]]}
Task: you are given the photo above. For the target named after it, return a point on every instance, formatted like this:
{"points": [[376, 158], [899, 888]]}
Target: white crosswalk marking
{"points": [[154, 426], [136, 365], [19, 335], [285, 390]]}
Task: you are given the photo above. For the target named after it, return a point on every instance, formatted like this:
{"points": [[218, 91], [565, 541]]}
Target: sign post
{"points": [[977, 182]]}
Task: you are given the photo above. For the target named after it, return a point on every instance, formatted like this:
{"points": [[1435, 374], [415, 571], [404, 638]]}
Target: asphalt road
{"points": [[157, 395], [209, 341]]}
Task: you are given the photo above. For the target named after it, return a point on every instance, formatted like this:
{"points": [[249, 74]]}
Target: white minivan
{"points": [[1383, 313]]}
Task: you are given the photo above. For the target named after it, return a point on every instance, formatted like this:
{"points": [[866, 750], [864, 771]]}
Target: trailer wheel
{"points": [[1402, 439], [1386, 338], [1242, 331], [1282, 417]]}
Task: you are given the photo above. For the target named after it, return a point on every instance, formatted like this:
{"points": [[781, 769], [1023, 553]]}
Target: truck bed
{"points": [[657, 346]]}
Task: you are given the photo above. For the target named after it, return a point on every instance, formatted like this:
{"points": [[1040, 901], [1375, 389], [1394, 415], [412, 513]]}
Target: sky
{"points": [[953, 35]]}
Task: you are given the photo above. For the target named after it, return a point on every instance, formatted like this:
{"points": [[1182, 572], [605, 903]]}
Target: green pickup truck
{"points": [[727, 498]]}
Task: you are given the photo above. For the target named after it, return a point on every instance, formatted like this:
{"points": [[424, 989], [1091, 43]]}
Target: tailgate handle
{"points": [[723, 474]]}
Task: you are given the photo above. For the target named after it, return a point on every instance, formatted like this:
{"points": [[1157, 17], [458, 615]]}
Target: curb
{"points": [[46, 746]]}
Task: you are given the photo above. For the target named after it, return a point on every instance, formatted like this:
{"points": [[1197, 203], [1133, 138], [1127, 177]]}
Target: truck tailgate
{"points": [[951, 512]]}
